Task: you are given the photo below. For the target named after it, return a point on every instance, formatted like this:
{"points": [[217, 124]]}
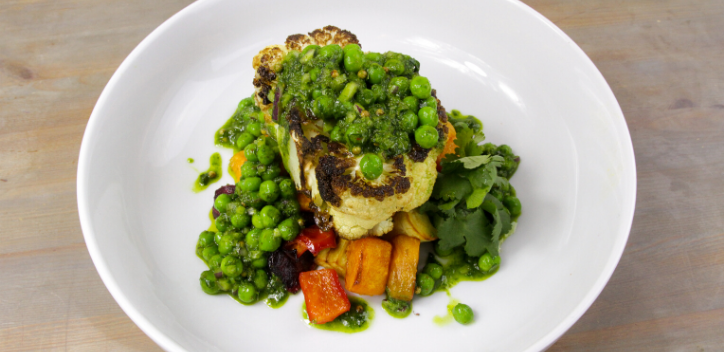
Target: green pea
{"points": [[250, 184], [270, 216], [265, 154], [357, 134], [336, 135], [395, 66], [379, 93], [289, 207], [269, 191], [260, 279], [232, 206], [249, 169], [215, 261], [463, 314], [226, 245], [260, 263], [348, 92], [250, 152], [313, 75], [513, 205], [411, 103], [251, 200], [287, 188], [224, 284], [256, 221], [231, 266], [222, 222], [247, 292], [408, 121], [254, 128], [366, 96], [221, 202], [398, 86], [206, 238], [428, 116], [488, 262], [420, 87], [289, 229], [372, 56], [271, 172], [252, 239], [322, 106], [434, 270], [308, 53], [243, 140], [371, 166], [440, 252], [217, 237], [268, 242], [353, 58], [505, 150], [246, 102], [425, 283], [430, 101], [426, 136], [208, 282], [331, 52], [209, 252], [376, 73]]}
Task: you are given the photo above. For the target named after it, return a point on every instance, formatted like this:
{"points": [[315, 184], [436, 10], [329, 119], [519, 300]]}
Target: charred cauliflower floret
{"points": [[358, 132]]}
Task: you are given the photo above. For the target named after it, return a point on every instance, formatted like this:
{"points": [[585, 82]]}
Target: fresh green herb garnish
{"points": [[468, 202]]}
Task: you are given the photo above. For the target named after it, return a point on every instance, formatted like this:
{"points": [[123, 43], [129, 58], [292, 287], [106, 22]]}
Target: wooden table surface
{"points": [[664, 60]]}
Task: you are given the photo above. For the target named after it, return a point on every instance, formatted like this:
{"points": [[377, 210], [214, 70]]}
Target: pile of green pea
{"points": [[244, 126], [373, 103], [253, 220]]}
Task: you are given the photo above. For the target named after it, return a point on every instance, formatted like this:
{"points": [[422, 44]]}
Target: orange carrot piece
{"points": [[403, 267], [235, 165], [323, 294], [304, 201], [450, 143], [368, 265]]}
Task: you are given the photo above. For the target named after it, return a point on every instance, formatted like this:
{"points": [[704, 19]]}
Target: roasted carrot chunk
{"points": [[449, 144], [313, 239], [368, 264], [235, 165], [323, 294], [304, 201], [403, 267]]}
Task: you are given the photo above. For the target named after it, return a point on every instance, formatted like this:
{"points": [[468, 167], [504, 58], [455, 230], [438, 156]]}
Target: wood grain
{"points": [[664, 60]]}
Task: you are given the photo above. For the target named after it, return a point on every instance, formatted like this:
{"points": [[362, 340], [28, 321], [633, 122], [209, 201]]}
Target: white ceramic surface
{"points": [[529, 83]]}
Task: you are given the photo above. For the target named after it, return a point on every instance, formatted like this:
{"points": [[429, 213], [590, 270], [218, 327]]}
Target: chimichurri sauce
{"points": [[457, 267], [357, 319], [397, 308], [209, 176], [447, 318]]}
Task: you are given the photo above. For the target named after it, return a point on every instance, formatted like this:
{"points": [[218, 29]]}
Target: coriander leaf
{"points": [[471, 162], [451, 187], [501, 225], [476, 198], [460, 228], [476, 245]]}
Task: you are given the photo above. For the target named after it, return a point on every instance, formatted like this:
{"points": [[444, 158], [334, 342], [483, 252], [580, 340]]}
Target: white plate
{"points": [[499, 60]]}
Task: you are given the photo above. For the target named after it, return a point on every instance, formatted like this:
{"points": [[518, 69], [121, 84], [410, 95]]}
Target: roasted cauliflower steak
{"points": [[326, 171]]}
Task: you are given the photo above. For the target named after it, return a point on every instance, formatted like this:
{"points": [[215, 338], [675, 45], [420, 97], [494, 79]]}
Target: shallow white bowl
{"points": [[499, 60]]}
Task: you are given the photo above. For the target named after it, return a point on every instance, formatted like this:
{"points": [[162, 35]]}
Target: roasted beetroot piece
{"points": [[284, 263], [228, 189]]}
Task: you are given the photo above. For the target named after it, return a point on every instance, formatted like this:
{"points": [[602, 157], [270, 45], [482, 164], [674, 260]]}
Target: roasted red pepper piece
{"points": [[314, 240], [324, 295]]}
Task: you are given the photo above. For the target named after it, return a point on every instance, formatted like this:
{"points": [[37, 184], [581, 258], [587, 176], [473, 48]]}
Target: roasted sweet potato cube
{"points": [[323, 294], [403, 267], [368, 264]]}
